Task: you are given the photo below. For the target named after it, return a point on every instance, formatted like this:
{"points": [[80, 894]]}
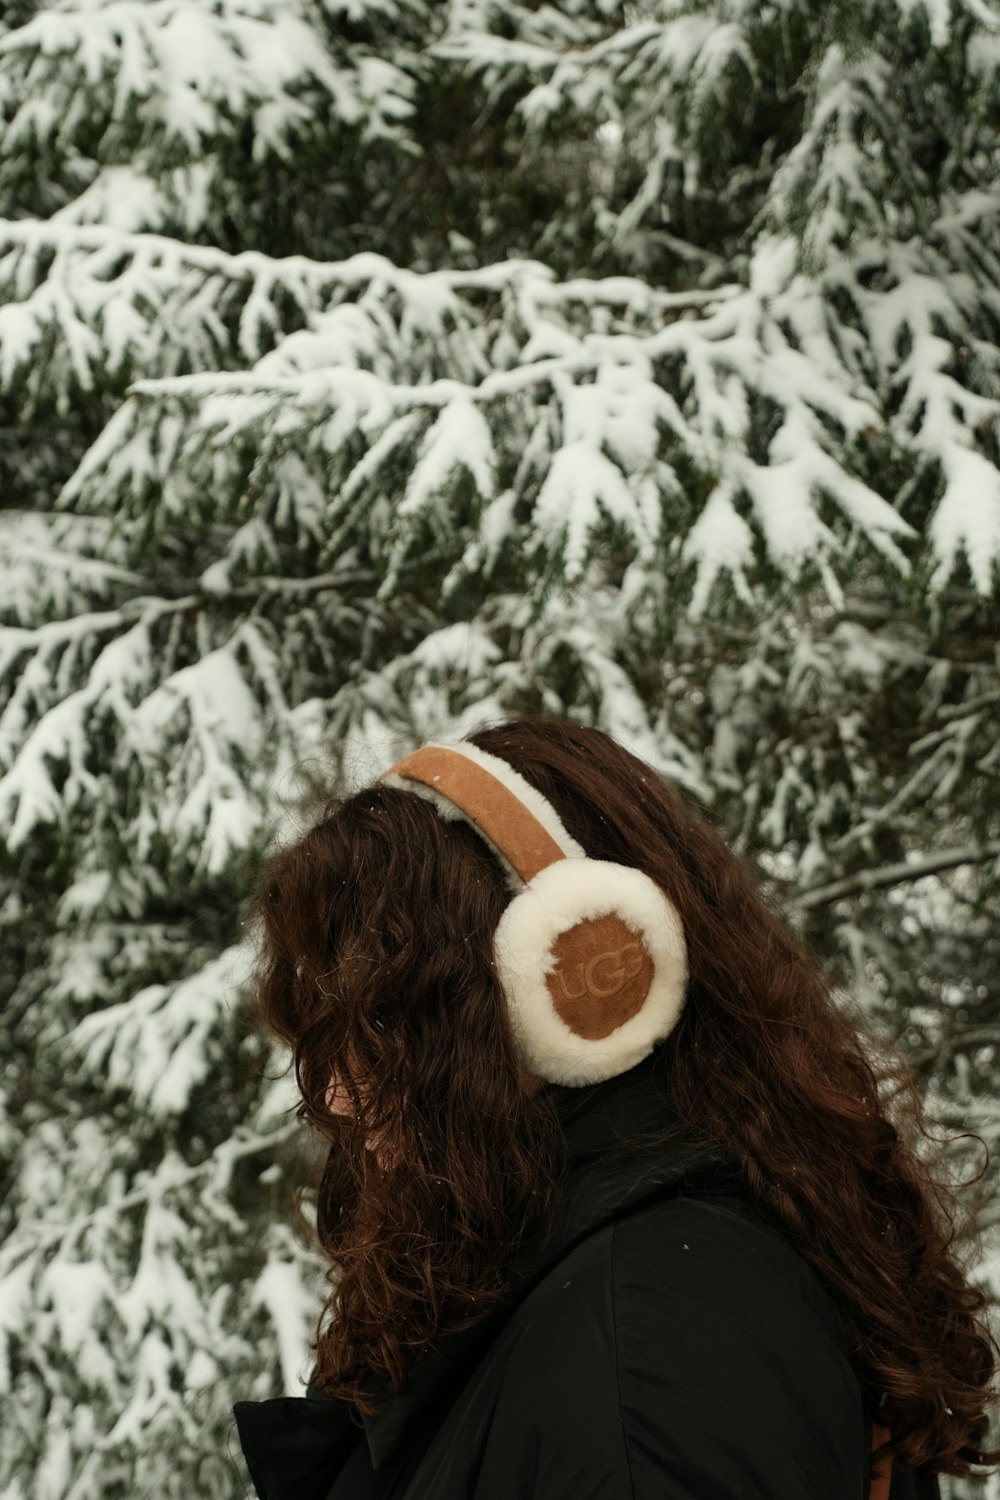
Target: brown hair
{"points": [[376, 964]]}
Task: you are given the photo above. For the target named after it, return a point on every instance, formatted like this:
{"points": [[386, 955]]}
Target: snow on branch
{"points": [[157, 1044], [85, 304], [624, 384], [445, 686], [924, 327], [192, 731], [186, 66], [65, 561], [209, 715], [674, 76], [143, 1328], [931, 310], [171, 1175], [31, 744], [897, 874], [832, 182]]}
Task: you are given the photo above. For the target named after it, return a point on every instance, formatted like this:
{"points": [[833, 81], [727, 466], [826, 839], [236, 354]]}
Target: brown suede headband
{"points": [[494, 809], [603, 970]]}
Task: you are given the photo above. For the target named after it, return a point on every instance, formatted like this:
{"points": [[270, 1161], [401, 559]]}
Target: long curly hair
{"points": [[375, 967]]}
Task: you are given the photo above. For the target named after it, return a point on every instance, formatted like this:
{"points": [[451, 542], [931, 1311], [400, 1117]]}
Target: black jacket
{"points": [[662, 1344]]}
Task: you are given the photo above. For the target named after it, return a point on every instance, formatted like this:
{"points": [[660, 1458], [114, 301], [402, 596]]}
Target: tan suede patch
{"points": [[602, 976], [495, 810]]}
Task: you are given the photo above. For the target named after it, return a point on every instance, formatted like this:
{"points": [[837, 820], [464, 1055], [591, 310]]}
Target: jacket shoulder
{"points": [[722, 1323], [687, 1250], [689, 1350], [720, 1248]]}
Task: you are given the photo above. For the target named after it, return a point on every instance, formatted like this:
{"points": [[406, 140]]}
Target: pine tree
{"points": [[368, 371]]}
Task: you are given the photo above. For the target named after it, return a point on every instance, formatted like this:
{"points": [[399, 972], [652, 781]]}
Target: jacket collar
{"points": [[295, 1446]]}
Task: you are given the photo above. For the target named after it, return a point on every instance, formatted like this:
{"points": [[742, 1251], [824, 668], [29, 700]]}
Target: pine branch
{"points": [[914, 790], [250, 266], [291, 587], [898, 874], [956, 1041], [35, 1238], [948, 711]]}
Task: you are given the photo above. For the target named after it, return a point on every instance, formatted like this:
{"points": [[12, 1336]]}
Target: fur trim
{"points": [[515, 783], [565, 893]]}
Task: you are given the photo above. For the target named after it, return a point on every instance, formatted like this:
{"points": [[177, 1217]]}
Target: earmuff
{"points": [[591, 955]]}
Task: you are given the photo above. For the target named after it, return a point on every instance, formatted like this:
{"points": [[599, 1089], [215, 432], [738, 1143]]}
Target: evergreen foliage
{"points": [[371, 368]]}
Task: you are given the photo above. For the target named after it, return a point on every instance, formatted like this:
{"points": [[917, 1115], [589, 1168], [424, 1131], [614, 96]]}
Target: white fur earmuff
{"points": [[557, 899], [591, 955]]}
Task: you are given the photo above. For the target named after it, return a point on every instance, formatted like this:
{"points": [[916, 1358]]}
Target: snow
{"points": [[937, 413], [59, 735], [487, 50], [496, 525], [549, 340], [868, 510], [122, 197], [967, 519], [152, 302], [209, 708], [55, 1470], [621, 408], [84, 896], [369, 747], [634, 411], [863, 655], [463, 645], [737, 342], [726, 43], [80, 1292], [251, 546], [157, 1044], [20, 334], [191, 66], [936, 12], [151, 1398], [346, 336], [581, 489], [39, 551], [16, 1297], [291, 1309], [719, 540], [772, 264], [460, 438], [982, 50], [202, 1370]]}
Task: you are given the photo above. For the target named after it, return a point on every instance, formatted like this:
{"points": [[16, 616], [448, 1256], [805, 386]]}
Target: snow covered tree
{"points": [[371, 368]]}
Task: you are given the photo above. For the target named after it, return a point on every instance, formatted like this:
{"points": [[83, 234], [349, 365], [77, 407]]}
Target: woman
{"points": [[617, 1203]]}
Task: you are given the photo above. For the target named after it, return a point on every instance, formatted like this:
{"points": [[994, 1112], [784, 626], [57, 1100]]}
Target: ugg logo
{"points": [[605, 974]]}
